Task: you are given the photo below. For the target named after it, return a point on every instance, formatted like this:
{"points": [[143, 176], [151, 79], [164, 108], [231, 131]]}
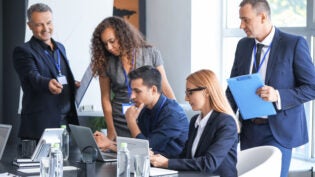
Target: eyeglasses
{"points": [[189, 92]]}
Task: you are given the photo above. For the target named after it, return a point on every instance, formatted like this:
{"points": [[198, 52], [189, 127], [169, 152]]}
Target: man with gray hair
{"points": [[46, 78]]}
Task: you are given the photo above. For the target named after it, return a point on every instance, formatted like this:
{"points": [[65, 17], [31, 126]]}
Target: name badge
{"points": [[62, 80], [125, 106]]}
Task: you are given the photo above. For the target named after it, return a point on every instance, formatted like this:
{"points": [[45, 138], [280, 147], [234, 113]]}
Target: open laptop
{"points": [[83, 137], [141, 147], [49, 137], [4, 136]]}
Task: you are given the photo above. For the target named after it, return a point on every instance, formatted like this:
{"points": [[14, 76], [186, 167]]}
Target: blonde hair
{"points": [[218, 101]]}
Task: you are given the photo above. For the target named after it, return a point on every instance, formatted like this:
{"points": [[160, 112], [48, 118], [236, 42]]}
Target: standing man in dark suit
{"points": [[46, 78], [289, 75]]}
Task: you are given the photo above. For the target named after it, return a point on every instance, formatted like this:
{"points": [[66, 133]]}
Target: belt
{"points": [[259, 121]]}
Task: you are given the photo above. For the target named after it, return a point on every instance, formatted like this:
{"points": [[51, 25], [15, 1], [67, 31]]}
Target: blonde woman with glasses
{"points": [[213, 133]]}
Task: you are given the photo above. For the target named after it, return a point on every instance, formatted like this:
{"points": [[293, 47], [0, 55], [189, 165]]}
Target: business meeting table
{"points": [[102, 169]]}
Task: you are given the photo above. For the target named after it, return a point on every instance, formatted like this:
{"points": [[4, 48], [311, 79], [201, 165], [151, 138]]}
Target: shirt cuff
{"points": [[140, 136], [278, 102]]}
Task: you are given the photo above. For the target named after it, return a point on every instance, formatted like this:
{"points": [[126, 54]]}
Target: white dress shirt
{"points": [[201, 122]]}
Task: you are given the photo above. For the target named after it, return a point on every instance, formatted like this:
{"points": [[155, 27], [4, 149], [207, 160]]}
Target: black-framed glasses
{"points": [[189, 92]]}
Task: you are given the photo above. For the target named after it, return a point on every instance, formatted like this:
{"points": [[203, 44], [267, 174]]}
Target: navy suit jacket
{"points": [[40, 108], [289, 70], [216, 153]]}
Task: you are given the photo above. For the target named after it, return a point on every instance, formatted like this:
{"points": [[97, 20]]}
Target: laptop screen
{"points": [[49, 137], [4, 136]]}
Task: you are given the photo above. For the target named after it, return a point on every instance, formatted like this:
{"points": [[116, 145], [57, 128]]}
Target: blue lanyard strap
{"points": [[57, 63], [157, 113], [159, 110], [263, 59], [126, 75]]}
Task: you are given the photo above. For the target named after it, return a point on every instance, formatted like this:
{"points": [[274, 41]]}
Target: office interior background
{"points": [[191, 35]]}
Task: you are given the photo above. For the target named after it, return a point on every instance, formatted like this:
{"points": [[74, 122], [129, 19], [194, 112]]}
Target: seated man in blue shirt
{"points": [[153, 116]]}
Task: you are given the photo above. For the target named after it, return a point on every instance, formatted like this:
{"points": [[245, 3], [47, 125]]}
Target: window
{"points": [[292, 16]]}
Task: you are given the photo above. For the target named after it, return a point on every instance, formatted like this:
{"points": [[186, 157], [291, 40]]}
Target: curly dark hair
{"points": [[129, 38]]}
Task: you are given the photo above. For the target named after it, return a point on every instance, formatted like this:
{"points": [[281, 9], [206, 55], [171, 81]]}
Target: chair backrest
{"points": [[259, 161]]}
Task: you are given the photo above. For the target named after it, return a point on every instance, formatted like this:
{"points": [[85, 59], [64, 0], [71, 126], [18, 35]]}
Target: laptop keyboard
{"points": [[109, 155], [43, 152]]}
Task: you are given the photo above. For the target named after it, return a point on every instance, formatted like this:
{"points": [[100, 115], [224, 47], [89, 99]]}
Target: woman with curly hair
{"points": [[118, 48]]}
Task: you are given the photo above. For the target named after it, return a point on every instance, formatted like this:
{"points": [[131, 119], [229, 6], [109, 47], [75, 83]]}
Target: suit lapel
{"points": [[247, 57], [205, 131], [38, 49], [64, 57], [272, 56], [192, 136]]}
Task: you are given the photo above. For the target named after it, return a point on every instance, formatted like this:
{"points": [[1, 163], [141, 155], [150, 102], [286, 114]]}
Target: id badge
{"points": [[125, 106], [62, 79]]}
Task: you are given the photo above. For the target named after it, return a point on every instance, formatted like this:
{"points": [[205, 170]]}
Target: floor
{"points": [[301, 168]]}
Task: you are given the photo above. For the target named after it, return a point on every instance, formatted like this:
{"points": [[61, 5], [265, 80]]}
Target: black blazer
{"points": [[216, 153], [40, 108]]}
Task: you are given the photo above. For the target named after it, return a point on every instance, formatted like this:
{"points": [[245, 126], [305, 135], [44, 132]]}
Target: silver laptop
{"points": [[4, 136], [83, 137], [49, 137], [135, 147], [141, 147]]}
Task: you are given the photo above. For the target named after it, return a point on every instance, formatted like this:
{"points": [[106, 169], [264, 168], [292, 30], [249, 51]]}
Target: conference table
{"points": [[102, 169]]}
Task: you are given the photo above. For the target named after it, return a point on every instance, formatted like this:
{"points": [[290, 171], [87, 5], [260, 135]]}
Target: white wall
{"points": [[206, 35], [188, 34], [168, 27]]}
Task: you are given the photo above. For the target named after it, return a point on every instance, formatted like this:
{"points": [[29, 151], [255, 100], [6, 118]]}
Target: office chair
{"points": [[259, 161]]}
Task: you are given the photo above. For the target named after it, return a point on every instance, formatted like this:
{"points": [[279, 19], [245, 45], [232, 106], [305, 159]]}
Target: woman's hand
{"points": [[159, 161]]}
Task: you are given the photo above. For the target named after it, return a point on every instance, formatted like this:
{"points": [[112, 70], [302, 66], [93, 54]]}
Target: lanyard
{"points": [[158, 111], [263, 59], [126, 75], [57, 63]]}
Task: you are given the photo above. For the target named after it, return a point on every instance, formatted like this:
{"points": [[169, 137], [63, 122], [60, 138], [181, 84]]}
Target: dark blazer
{"points": [[289, 70], [216, 152], [40, 108]]}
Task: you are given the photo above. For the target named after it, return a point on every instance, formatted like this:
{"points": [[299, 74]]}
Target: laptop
{"points": [[84, 84], [49, 137], [83, 137], [141, 147], [4, 136], [135, 147]]}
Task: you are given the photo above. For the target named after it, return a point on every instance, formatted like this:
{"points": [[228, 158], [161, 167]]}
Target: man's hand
{"points": [[55, 87], [131, 115], [267, 93]]}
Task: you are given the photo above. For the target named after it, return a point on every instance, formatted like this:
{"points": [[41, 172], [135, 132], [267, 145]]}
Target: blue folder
{"points": [[243, 89]]}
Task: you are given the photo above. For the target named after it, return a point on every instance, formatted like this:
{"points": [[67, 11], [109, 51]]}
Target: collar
{"points": [[158, 104], [202, 121], [267, 41], [44, 45]]}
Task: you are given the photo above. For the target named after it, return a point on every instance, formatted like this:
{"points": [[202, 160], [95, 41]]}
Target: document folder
{"points": [[243, 89]]}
